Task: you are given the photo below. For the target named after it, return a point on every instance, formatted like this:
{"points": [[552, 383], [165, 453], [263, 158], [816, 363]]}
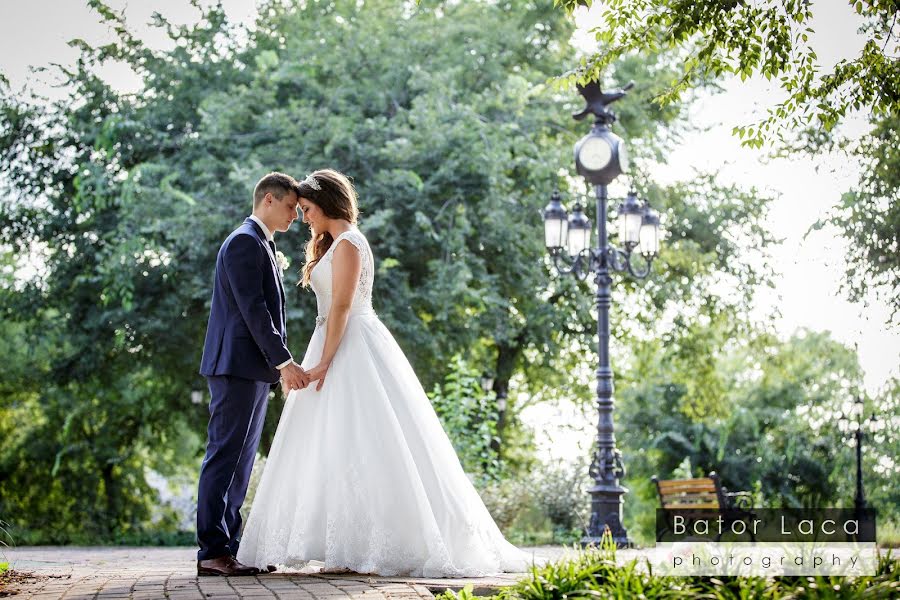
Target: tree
{"points": [[469, 416], [868, 216], [442, 116], [126, 199], [771, 38], [114, 316], [771, 424], [768, 38]]}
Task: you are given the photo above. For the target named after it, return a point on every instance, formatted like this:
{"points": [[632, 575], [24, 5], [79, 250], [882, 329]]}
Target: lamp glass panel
{"points": [[649, 240], [633, 227], [620, 222], [555, 231], [579, 239]]}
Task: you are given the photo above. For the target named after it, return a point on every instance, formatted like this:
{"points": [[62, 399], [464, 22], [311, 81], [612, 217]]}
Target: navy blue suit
{"points": [[245, 341]]}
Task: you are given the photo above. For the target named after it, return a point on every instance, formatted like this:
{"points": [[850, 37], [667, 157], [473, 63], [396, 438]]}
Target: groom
{"points": [[244, 354]]}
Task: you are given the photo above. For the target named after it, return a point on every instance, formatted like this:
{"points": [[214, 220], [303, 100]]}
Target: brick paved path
{"points": [[156, 573]]}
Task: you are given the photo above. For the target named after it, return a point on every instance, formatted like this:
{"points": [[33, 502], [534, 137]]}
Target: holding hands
{"points": [[317, 373], [293, 377]]}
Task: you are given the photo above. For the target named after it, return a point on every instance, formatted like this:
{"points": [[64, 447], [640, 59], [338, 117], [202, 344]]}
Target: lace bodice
{"points": [[320, 278]]}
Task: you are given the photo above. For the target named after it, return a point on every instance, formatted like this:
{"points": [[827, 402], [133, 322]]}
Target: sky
{"points": [[810, 268]]}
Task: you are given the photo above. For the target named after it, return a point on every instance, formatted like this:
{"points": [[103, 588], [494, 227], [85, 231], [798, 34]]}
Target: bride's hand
{"points": [[318, 373]]}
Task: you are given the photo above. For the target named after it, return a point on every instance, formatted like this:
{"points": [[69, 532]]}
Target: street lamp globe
{"points": [[631, 216], [649, 232], [556, 224], [579, 231], [857, 409]]}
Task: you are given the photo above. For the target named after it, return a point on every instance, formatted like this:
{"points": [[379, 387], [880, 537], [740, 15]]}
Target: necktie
{"points": [[272, 246]]}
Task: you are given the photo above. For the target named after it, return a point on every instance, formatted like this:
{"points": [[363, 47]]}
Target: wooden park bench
{"points": [[704, 493]]}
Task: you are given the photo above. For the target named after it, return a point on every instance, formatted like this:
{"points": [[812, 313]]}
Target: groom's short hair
{"points": [[275, 183]]}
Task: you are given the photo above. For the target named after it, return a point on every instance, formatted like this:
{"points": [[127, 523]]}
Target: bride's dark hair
{"points": [[336, 197]]}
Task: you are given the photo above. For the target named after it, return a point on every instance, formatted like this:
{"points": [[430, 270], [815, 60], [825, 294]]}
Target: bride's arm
{"points": [[345, 269]]}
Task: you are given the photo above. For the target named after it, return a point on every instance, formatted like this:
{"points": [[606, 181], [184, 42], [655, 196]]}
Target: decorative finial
{"points": [[597, 101]]}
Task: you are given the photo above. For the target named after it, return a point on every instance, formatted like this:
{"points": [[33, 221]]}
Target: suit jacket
{"points": [[246, 336]]}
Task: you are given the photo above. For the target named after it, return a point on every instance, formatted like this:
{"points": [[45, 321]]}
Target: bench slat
{"points": [[698, 505], [687, 485], [702, 493], [702, 496]]}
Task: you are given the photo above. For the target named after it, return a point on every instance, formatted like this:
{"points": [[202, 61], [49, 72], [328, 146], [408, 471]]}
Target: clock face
{"points": [[595, 153], [623, 156]]}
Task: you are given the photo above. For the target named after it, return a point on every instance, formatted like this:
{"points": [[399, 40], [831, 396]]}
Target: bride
{"points": [[361, 476]]}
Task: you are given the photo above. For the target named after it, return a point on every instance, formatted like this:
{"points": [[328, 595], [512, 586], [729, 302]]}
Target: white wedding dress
{"points": [[361, 475]]}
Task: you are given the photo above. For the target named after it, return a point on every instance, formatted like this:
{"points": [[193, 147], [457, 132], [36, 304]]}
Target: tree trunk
{"points": [[507, 356]]}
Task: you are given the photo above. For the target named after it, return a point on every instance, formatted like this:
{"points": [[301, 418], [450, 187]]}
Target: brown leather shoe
{"points": [[224, 566]]}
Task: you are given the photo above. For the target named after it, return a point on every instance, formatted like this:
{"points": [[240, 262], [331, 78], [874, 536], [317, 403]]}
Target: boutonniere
{"points": [[282, 262]]}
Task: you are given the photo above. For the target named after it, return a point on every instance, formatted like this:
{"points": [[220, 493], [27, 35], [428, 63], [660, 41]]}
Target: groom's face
{"points": [[284, 211]]}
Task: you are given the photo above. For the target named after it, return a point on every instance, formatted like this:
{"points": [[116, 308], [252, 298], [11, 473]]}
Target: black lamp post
{"points": [[600, 157], [856, 421]]}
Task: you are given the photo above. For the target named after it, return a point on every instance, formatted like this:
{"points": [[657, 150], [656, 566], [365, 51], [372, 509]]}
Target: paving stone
{"points": [[157, 573], [117, 589]]}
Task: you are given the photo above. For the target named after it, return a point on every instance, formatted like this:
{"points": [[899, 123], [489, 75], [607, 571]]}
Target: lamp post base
{"points": [[606, 514]]}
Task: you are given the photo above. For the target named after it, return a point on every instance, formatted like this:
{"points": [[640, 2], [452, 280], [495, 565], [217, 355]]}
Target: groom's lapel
{"points": [[267, 250], [262, 237]]}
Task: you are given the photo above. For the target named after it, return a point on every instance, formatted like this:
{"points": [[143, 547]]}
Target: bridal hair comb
{"points": [[311, 182]]}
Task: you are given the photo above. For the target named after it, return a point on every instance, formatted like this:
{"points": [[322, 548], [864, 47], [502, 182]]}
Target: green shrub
{"points": [[4, 535], [549, 505], [467, 593], [889, 534], [505, 500], [594, 573], [469, 416], [560, 489]]}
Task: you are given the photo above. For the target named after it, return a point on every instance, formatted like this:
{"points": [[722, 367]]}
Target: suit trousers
{"points": [[237, 411]]}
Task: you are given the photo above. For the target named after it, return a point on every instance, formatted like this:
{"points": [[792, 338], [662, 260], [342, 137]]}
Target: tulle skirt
{"points": [[361, 475]]}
